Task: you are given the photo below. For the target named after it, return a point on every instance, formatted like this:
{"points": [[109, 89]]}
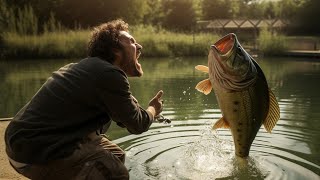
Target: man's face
{"points": [[130, 55]]}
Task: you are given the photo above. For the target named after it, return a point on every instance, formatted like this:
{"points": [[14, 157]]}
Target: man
{"points": [[56, 135]]}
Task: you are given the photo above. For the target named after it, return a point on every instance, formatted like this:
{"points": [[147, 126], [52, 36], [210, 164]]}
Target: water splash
{"points": [[179, 152], [208, 157]]}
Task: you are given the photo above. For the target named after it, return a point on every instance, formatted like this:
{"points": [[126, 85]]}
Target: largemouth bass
{"points": [[242, 92]]}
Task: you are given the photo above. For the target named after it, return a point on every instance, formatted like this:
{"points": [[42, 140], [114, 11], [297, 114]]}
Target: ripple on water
{"points": [[194, 151]]}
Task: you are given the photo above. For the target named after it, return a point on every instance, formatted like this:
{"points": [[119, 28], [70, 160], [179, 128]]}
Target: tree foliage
{"points": [[171, 14], [307, 17], [216, 9], [179, 14]]}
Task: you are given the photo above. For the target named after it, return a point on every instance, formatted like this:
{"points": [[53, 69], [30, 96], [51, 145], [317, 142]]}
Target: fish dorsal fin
{"points": [[202, 68], [273, 113], [221, 123], [204, 86]]}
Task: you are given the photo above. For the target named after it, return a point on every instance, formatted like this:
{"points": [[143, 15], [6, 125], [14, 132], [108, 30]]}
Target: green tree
{"points": [[4, 16], [216, 9], [85, 13], [270, 10], [288, 8], [135, 11], [153, 14], [41, 8], [307, 17], [251, 9], [179, 14], [93, 12]]}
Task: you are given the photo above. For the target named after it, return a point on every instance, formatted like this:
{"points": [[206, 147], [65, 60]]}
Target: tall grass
{"points": [[18, 20], [47, 45], [159, 42], [156, 42], [271, 43], [68, 44], [21, 36]]}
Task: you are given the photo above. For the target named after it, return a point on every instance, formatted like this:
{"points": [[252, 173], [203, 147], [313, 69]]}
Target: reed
{"points": [[156, 42], [71, 44], [271, 43], [47, 45]]}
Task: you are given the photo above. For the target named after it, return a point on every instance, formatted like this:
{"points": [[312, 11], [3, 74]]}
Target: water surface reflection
{"points": [[187, 148]]}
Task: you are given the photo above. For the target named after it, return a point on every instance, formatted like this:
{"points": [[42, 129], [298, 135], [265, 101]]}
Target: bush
{"points": [[48, 45], [271, 44], [156, 42]]}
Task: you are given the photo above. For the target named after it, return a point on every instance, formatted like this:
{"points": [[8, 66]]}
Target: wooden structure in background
{"points": [[248, 27], [241, 24]]}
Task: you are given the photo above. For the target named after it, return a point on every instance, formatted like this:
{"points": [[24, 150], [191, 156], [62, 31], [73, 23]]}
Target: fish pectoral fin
{"points": [[204, 86], [221, 123], [273, 114], [202, 68]]}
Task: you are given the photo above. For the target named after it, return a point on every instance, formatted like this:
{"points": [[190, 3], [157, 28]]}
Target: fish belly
{"points": [[244, 111]]}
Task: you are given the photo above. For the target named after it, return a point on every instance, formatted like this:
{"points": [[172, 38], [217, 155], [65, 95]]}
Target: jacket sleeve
{"points": [[123, 107]]}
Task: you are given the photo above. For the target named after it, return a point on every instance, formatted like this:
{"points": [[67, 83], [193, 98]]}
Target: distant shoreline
{"points": [[302, 53], [72, 44]]}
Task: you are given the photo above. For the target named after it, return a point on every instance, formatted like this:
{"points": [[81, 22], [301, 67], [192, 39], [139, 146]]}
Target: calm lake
{"points": [[187, 148]]}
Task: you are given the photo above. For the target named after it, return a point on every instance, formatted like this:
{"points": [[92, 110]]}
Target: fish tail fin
{"points": [[273, 114], [221, 123], [204, 86], [202, 68]]}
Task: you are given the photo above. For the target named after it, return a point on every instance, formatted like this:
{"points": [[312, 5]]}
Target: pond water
{"points": [[187, 148]]}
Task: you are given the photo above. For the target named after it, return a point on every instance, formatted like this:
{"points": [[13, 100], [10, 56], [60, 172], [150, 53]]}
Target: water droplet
{"points": [[184, 92], [178, 163]]}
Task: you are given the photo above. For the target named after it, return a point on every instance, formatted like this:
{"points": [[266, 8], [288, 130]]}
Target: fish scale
{"points": [[242, 91]]}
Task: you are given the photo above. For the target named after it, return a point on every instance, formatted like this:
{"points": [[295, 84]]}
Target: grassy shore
{"points": [[156, 42], [48, 45], [70, 44]]}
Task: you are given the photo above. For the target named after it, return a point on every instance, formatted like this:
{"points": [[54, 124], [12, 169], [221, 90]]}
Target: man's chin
{"points": [[136, 73]]}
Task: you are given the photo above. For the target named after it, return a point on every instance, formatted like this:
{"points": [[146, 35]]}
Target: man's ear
{"points": [[117, 53]]}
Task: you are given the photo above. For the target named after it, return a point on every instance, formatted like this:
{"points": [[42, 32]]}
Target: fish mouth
{"points": [[226, 44], [231, 56], [230, 65]]}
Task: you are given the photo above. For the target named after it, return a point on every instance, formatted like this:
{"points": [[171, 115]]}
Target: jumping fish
{"points": [[242, 92]]}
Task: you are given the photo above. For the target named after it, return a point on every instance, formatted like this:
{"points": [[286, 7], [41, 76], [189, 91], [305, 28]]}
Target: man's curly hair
{"points": [[105, 37]]}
